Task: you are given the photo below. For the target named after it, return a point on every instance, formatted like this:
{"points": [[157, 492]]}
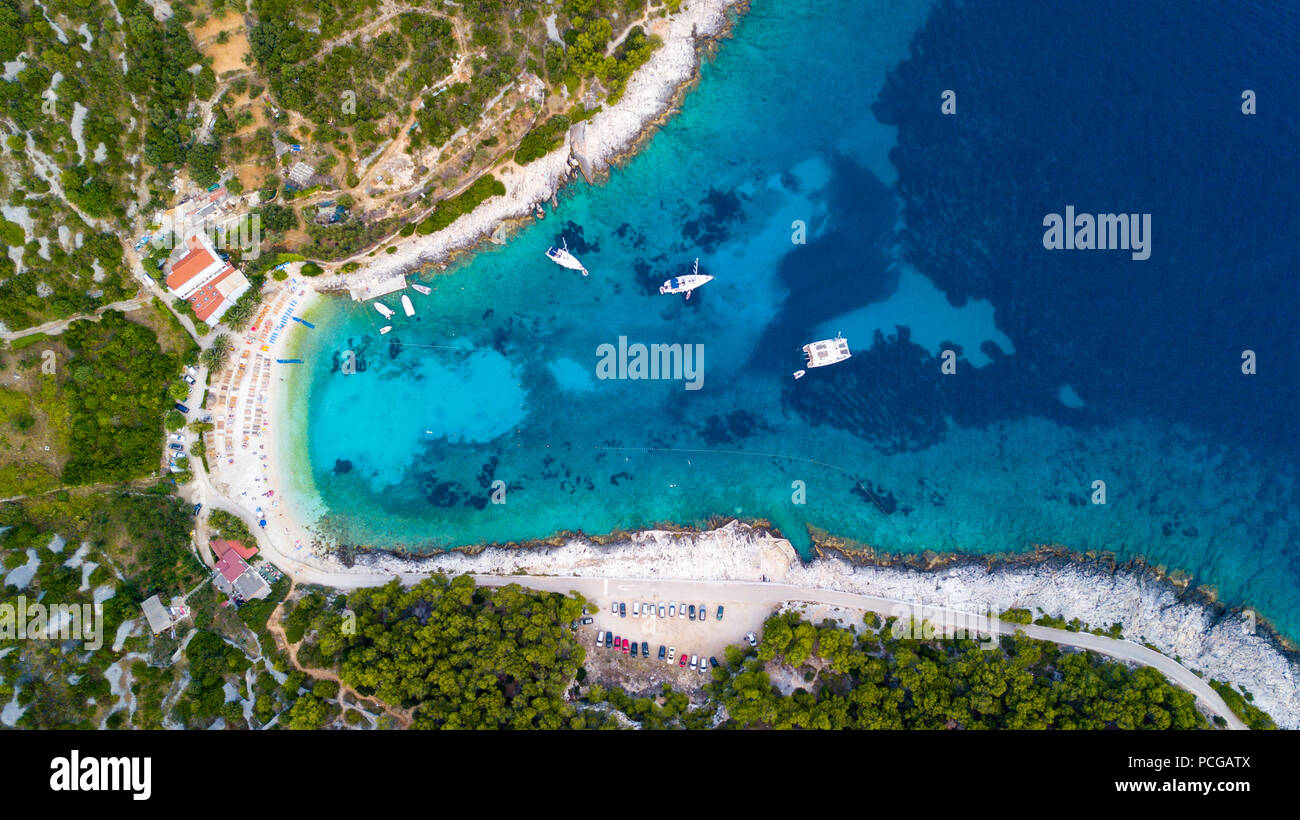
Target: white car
{"points": [[749, 636], [636, 609], [672, 654], [178, 437], [613, 608], [693, 659], [681, 611], [600, 638], [672, 609], [661, 609]]}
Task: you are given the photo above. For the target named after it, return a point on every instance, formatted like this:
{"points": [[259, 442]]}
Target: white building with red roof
{"points": [[209, 283]]}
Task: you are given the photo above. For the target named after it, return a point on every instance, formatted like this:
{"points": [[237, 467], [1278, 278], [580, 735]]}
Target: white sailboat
{"points": [[824, 352], [385, 329], [564, 259], [407, 306], [686, 284], [383, 310], [421, 289]]}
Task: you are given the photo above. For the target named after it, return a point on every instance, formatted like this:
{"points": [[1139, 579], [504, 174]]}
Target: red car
{"points": [[626, 646], [682, 662]]}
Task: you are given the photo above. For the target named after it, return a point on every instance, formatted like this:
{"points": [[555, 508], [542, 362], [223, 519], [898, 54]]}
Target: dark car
{"points": [[622, 610], [188, 379], [719, 612], [609, 639], [692, 611], [174, 446], [182, 407], [634, 649], [713, 662], [587, 620], [197, 507], [663, 650], [645, 649]]}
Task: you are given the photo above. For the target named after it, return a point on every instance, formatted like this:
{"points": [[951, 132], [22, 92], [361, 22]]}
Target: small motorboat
{"points": [[798, 374], [421, 289], [407, 306], [385, 329], [384, 310]]}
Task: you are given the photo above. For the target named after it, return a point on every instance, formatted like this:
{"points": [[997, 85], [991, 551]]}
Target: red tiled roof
{"points": [[221, 547], [189, 266], [207, 299], [231, 566]]}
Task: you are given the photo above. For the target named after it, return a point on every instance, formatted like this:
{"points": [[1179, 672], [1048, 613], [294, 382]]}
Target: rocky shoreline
{"points": [[1217, 642], [590, 147]]}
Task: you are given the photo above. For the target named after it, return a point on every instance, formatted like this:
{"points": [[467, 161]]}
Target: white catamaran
{"points": [[686, 284], [824, 352], [564, 259], [384, 310], [407, 306]]}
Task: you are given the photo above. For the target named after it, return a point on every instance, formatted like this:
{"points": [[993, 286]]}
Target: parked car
{"points": [[617, 644], [197, 507], [702, 669], [609, 639], [174, 446], [719, 612], [713, 662], [622, 610], [749, 636], [188, 379], [625, 646], [634, 649], [600, 639], [672, 609], [662, 651], [587, 620], [704, 612], [681, 611], [177, 437], [645, 649], [692, 612], [661, 609], [182, 408], [636, 609], [693, 658], [682, 663], [613, 608]]}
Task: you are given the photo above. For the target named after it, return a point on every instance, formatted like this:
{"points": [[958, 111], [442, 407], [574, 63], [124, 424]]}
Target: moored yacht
{"points": [[686, 284], [384, 310], [824, 352], [564, 259], [407, 306]]}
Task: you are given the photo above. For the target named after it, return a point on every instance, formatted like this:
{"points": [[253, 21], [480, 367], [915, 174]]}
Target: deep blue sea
{"points": [[813, 173]]}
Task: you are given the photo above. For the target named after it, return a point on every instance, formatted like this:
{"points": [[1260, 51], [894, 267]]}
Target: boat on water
{"points": [[407, 306], [686, 284], [824, 352], [421, 289], [384, 310], [563, 258], [385, 329]]}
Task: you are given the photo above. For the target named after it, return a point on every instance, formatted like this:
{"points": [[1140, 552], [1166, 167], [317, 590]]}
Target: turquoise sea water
{"points": [[496, 379]]}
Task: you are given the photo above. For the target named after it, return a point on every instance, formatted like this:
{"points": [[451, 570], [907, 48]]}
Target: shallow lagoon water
{"points": [[934, 246]]}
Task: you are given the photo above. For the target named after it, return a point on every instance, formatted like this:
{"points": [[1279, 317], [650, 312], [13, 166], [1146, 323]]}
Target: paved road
{"points": [[773, 595]]}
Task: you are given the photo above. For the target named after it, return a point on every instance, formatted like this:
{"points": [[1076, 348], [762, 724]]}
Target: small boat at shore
{"points": [[407, 306], [385, 329], [686, 284], [564, 259], [421, 289], [384, 310], [825, 352]]}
